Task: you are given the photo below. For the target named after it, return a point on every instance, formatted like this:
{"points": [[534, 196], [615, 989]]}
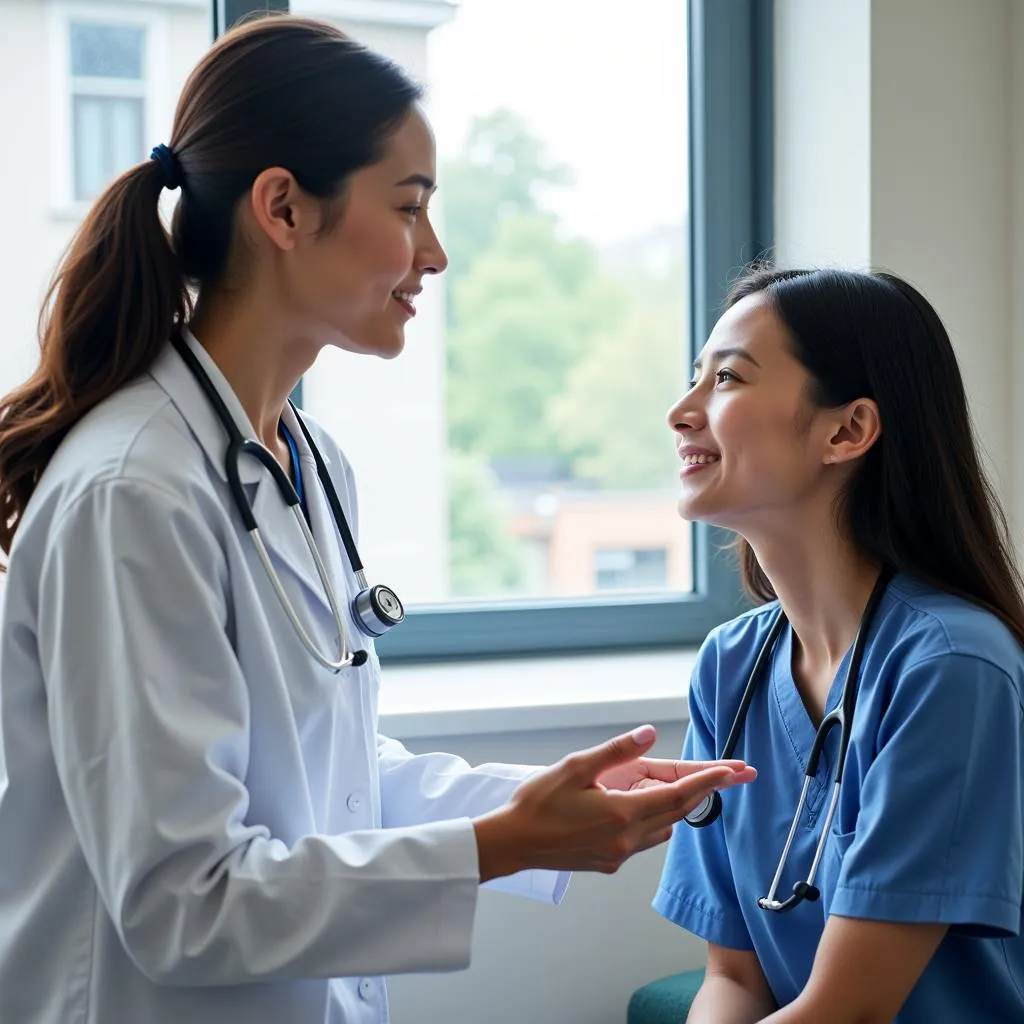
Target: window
{"points": [[630, 568], [108, 97], [603, 171], [538, 370], [520, 491]]}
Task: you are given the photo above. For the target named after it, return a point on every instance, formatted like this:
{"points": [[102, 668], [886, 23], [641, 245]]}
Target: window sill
{"points": [[526, 695]]}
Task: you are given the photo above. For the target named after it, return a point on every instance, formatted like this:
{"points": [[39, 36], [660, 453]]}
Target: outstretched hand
{"points": [[646, 772], [596, 808]]}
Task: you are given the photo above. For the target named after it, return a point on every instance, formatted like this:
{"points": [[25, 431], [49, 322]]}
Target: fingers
{"points": [[672, 800], [669, 771], [693, 799], [586, 765], [657, 829]]}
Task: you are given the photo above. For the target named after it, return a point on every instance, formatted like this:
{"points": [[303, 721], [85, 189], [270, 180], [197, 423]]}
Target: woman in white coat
{"points": [[191, 803]]}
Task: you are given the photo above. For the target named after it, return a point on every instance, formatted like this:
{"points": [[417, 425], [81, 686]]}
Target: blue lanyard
{"points": [[296, 469]]}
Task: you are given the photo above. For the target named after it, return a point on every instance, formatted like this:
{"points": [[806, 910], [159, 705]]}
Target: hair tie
{"points": [[169, 164]]}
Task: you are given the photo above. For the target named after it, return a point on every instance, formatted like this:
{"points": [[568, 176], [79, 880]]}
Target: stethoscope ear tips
{"points": [[359, 658], [706, 812]]}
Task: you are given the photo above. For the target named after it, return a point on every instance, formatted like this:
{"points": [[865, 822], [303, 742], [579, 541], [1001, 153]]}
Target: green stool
{"points": [[665, 1001]]}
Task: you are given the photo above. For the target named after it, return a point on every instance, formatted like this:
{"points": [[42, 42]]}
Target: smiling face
{"points": [[754, 448], [354, 284]]}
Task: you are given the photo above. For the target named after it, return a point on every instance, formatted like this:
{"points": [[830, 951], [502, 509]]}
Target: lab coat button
{"points": [[365, 988], [355, 802]]}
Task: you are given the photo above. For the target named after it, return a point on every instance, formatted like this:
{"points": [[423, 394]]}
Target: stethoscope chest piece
{"points": [[706, 812], [377, 609]]}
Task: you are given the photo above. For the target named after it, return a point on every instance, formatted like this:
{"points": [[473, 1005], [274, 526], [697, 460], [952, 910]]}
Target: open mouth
{"points": [[407, 300], [699, 460]]}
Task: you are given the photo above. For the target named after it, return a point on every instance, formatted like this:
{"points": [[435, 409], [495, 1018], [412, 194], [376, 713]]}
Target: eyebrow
{"points": [[417, 179], [725, 353]]}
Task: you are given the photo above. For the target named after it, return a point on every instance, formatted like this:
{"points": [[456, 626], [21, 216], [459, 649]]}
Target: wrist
{"points": [[499, 844]]}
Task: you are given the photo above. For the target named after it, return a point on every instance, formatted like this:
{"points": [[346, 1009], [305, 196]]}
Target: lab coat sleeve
{"points": [[939, 836], [417, 788], [148, 714], [697, 891]]}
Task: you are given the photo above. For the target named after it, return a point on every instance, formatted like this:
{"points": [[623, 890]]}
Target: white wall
{"points": [[940, 184], [938, 167], [822, 132]]}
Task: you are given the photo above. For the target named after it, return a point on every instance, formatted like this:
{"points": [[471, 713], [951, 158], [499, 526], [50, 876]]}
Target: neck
{"points": [[823, 584], [259, 357]]}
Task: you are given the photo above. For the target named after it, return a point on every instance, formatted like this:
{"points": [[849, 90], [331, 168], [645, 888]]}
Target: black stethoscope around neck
{"points": [[710, 808], [374, 609]]}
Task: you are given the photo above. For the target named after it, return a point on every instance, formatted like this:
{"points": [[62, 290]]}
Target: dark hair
{"points": [[278, 91], [920, 500]]}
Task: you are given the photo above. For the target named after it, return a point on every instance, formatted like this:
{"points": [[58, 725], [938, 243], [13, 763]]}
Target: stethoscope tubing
{"points": [[710, 808], [239, 446]]}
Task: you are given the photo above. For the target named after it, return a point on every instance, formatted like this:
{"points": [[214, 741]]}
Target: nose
{"points": [[430, 256], [687, 413]]}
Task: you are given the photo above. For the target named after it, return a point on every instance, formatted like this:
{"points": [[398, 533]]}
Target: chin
{"points": [[382, 335], [693, 510], [388, 348], [688, 511], [392, 348], [387, 344]]}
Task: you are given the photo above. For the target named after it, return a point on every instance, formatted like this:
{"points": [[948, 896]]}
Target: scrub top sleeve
{"points": [[149, 722], [939, 836], [697, 890]]}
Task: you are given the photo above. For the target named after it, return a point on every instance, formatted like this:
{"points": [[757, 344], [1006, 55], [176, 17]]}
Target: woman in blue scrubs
{"points": [[827, 426]]}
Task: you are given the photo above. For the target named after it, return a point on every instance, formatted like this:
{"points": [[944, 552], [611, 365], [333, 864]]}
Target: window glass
{"points": [[522, 432]]}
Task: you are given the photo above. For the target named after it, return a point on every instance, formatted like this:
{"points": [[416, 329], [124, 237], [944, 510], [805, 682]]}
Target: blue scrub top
{"points": [[930, 821]]}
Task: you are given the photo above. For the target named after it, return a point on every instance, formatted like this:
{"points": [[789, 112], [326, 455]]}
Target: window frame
{"points": [[730, 131], [153, 93], [103, 88], [226, 12]]}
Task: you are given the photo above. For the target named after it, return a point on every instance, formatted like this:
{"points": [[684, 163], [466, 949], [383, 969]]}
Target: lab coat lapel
{"points": [[171, 373], [281, 534]]}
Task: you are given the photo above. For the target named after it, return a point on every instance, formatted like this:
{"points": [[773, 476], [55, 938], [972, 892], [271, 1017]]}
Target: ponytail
{"points": [[114, 301], [280, 91]]}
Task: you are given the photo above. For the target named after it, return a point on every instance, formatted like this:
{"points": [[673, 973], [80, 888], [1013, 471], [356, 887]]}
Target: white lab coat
{"points": [[189, 804]]}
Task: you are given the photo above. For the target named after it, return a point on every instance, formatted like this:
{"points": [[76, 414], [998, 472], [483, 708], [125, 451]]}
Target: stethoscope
{"points": [[375, 609], [711, 807]]}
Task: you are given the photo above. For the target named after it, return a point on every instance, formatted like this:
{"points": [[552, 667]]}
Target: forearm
{"points": [[722, 1000], [806, 1011]]}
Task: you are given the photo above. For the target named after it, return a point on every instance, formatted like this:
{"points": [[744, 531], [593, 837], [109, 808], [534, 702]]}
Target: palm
{"points": [[644, 773]]}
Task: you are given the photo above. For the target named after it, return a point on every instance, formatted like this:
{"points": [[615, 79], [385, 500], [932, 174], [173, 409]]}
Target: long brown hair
{"points": [[279, 91], [920, 500]]}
